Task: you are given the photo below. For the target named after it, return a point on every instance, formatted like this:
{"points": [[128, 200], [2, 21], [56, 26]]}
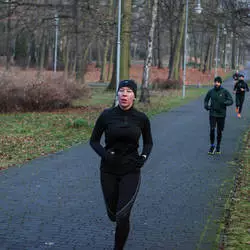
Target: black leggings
{"points": [[218, 122], [239, 99], [119, 195]]}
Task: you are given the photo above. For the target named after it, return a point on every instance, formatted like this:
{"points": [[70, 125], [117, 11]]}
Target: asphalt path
{"points": [[55, 202]]}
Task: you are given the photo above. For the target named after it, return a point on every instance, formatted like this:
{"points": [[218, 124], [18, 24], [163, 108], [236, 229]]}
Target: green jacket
{"points": [[217, 100]]}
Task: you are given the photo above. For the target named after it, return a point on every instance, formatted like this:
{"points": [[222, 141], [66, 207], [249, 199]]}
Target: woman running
{"points": [[121, 162]]}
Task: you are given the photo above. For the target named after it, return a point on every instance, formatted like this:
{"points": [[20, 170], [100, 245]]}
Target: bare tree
{"points": [[147, 64], [8, 31], [28, 33], [107, 46], [125, 39]]}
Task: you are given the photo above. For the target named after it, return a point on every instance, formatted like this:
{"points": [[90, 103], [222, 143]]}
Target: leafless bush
{"points": [[165, 84], [38, 93]]}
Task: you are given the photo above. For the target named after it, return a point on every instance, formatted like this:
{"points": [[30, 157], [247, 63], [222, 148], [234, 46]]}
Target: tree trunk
{"points": [[66, 59], [125, 45], [42, 52], [176, 45], [104, 63], [28, 60], [180, 33], [84, 64], [111, 59], [159, 62], [112, 84], [211, 63], [202, 53], [125, 39], [207, 54], [135, 51], [145, 98], [233, 55], [176, 48], [155, 56], [98, 55], [196, 51], [225, 50], [8, 39], [171, 57], [106, 49], [233, 51], [76, 66]]}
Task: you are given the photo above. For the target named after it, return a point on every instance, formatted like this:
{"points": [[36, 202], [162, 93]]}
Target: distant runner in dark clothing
{"points": [[240, 89], [216, 101], [236, 75], [121, 162]]}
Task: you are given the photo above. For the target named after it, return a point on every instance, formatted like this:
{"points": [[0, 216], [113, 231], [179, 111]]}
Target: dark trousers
{"points": [[219, 123], [119, 194], [239, 99]]}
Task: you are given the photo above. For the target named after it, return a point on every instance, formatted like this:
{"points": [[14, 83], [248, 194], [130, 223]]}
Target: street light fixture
{"points": [[198, 10]]}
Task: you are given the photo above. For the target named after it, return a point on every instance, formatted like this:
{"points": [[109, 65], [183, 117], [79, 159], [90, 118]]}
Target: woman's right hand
{"points": [[109, 156], [140, 161]]}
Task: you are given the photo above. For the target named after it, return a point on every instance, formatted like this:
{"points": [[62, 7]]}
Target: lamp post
{"points": [[225, 48], [216, 51], [198, 10], [118, 51], [56, 42]]}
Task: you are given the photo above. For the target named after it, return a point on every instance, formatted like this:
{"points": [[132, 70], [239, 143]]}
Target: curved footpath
{"points": [[55, 202]]}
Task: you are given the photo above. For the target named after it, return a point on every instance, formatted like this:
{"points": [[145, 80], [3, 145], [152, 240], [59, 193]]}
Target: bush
{"points": [[165, 84], [77, 123], [38, 94]]}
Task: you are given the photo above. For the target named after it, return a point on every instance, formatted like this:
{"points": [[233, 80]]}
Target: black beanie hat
{"points": [[241, 75], [218, 79], [130, 84]]}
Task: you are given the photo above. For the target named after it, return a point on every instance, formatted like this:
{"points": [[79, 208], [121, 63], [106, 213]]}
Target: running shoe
{"points": [[217, 151], [211, 150]]}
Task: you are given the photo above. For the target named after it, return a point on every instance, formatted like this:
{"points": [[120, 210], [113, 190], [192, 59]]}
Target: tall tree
{"points": [[145, 97], [77, 39], [126, 10], [159, 56], [8, 31], [107, 46], [178, 47], [177, 41], [125, 38]]}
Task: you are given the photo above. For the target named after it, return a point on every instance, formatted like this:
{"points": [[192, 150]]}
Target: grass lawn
{"points": [[237, 226], [25, 136]]}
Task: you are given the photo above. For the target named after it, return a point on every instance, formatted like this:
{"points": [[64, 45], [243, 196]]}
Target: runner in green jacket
{"points": [[216, 101]]}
